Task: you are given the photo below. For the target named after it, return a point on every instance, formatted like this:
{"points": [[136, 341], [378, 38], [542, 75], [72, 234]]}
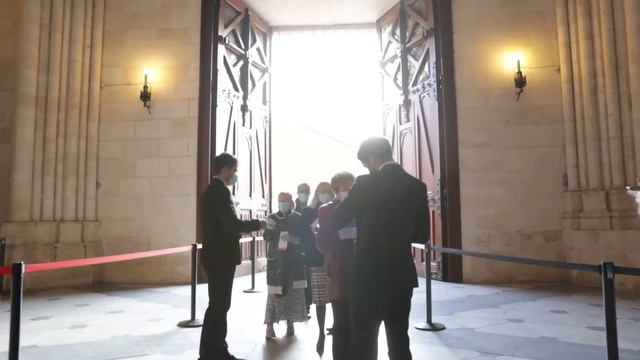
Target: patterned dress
{"points": [[285, 273]]}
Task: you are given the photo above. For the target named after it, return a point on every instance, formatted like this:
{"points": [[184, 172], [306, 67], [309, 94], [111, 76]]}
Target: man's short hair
{"points": [[222, 161], [288, 195], [377, 148], [304, 185], [340, 178]]}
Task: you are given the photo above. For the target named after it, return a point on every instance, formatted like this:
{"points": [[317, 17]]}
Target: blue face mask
{"points": [[232, 180], [303, 198], [284, 207]]}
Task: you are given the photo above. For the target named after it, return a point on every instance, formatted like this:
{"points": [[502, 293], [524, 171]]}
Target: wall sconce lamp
{"points": [[145, 94], [520, 81]]}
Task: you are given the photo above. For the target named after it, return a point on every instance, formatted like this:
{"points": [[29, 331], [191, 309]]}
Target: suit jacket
{"points": [[392, 212], [312, 256], [221, 227]]}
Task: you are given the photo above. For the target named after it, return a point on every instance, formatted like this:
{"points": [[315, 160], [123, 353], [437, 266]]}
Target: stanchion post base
{"points": [[429, 327], [252, 291], [190, 323]]}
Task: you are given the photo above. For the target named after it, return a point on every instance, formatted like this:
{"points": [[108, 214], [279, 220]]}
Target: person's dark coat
{"points": [[222, 228], [391, 211]]}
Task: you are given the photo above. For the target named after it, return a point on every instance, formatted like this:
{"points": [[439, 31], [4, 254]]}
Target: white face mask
{"points": [[303, 198], [343, 195], [325, 198]]}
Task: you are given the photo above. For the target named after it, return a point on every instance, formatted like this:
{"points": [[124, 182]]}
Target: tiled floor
{"points": [[483, 322]]}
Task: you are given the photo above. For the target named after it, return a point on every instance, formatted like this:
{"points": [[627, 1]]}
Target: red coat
{"points": [[338, 255]]}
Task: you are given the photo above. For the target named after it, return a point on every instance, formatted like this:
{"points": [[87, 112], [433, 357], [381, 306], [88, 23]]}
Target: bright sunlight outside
{"points": [[326, 98]]}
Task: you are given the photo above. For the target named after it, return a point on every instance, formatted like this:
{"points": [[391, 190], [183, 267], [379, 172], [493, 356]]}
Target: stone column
{"points": [[577, 102], [93, 115], [62, 113], [601, 102], [623, 86], [568, 111], [41, 108], [632, 13], [25, 114], [592, 134], [72, 131], [53, 97], [612, 95], [55, 148], [84, 103]]}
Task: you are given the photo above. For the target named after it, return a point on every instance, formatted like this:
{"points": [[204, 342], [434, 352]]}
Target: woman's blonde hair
{"points": [[341, 178], [321, 186]]}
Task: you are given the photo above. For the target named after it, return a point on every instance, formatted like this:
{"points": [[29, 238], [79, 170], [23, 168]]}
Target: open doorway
{"points": [[326, 100], [294, 105]]}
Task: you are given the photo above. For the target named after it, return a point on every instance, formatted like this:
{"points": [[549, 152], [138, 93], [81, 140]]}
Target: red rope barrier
{"points": [[65, 264], [5, 271], [56, 265]]}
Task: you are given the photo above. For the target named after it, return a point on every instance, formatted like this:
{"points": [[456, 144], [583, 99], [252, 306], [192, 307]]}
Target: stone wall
{"points": [[592, 247], [511, 152], [544, 177], [147, 161], [118, 179], [92, 172], [600, 60], [53, 154], [8, 51], [600, 57]]}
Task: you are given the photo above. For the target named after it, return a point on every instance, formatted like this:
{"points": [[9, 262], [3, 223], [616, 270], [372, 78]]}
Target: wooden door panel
{"points": [[408, 64], [245, 168], [408, 151], [225, 128], [234, 102]]}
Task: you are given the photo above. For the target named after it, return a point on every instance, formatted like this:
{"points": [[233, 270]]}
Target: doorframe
{"points": [[206, 112], [207, 99], [448, 119], [450, 175]]}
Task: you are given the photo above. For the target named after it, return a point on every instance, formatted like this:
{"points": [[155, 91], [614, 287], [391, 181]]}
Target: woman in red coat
{"points": [[337, 247]]}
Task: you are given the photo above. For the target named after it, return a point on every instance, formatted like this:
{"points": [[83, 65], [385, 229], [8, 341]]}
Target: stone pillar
{"points": [[41, 106], [622, 67], [632, 13], [592, 134], [72, 131], [577, 99], [612, 95], [53, 96], [55, 147], [25, 115], [93, 113], [599, 55], [601, 103], [568, 111]]}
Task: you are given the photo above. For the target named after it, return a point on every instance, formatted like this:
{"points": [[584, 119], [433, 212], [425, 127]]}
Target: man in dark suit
{"points": [[220, 254], [391, 212]]}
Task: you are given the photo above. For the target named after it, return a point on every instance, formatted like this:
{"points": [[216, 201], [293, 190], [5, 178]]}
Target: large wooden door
{"points": [[412, 120], [234, 102]]}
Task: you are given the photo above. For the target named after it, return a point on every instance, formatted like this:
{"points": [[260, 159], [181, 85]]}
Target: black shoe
{"points": [[231, 357], [320, 345], [226, 356]]}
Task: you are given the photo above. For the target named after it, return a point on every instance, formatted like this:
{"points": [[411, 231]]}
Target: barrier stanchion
{"points": [[253, 268], [609, 300], [193, 322], [16, 310], [428, 325], [3, 252]]}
